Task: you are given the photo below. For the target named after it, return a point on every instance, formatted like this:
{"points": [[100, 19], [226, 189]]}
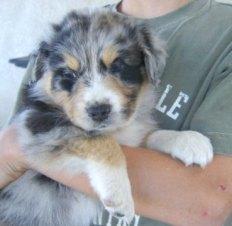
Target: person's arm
{"points": [[166, 190], [163, 188]]}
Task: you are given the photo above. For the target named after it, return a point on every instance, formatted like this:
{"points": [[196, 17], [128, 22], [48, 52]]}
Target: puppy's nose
{"points": [[99, 112]]}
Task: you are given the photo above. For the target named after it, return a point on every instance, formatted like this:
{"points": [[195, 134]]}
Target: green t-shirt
{"points": [[196, 86]]}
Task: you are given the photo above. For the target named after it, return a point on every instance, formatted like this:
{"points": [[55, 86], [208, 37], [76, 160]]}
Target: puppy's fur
{"points": [[92, 90]]}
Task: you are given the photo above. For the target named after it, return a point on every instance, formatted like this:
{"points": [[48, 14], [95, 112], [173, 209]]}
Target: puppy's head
{"points": [[95, 66]]}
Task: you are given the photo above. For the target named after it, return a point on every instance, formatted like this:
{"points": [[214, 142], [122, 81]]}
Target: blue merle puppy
{"points": [[92, 90]]}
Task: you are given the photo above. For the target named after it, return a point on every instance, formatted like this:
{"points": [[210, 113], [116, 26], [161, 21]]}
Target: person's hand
{"points": [[12, 161]]}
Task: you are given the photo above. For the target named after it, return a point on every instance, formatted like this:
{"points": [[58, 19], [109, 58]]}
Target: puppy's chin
{"points": [[101, 129]]}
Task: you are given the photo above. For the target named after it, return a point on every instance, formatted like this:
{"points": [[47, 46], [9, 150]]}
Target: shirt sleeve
{"points": [[214, 116]]}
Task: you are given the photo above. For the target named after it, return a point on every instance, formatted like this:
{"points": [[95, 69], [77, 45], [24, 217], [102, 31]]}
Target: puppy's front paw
{"points": [[193, 147], [190, 147], [120, 203], [113, 187]]}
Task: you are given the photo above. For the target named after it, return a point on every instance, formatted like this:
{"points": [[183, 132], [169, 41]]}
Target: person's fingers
{"points": [[12, 161], [10, 172]]}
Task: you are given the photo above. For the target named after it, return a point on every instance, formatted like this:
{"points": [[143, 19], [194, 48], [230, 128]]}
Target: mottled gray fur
{"points": [[34, 200]]}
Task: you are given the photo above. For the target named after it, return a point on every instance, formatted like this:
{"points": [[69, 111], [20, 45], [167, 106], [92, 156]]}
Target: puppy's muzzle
{"points": [[99, 112]]}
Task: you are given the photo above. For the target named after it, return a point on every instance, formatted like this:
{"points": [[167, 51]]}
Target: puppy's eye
{"points": [[70, 75], [64, 80], [118, 65], [130, 74]]}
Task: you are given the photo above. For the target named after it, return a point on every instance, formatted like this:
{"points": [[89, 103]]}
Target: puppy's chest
{"points": [[133, 135]]}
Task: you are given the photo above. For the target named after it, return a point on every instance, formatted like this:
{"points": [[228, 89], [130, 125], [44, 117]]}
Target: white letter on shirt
{"points": [[164, 107], [177, 104]]}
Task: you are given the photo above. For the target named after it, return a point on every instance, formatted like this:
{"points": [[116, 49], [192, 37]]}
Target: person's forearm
{"points": [[166, 190]]}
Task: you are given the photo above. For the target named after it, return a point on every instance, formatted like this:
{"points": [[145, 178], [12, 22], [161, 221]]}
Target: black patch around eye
{"points": [[67, 84], [128, 73], [64, 80], [118, 66]]}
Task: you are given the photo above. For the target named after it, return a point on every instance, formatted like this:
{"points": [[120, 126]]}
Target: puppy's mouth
{"points": [[102, 128]]}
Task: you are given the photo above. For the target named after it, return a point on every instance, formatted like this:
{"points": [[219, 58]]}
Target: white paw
{"points": [[190, 147], [193, 148], [113, 187], [120, 203]]}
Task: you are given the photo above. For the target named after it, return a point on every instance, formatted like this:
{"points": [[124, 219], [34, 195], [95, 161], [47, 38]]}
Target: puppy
{"points": [[93, 89]]}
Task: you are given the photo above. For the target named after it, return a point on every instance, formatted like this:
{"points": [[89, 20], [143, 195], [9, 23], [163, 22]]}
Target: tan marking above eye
{"points": [[71, 62], [110, 53]]}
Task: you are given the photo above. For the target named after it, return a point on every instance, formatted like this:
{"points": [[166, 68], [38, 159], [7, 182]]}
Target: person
{"points": [[196, 87]]}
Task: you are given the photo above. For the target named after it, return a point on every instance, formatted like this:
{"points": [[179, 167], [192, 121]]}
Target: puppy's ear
{"points": [[154, 54], [41, 62]]}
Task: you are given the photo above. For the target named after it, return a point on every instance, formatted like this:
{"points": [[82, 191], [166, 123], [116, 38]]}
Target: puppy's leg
{"points": [[106, 167], [101, 158], [188, 146]]}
